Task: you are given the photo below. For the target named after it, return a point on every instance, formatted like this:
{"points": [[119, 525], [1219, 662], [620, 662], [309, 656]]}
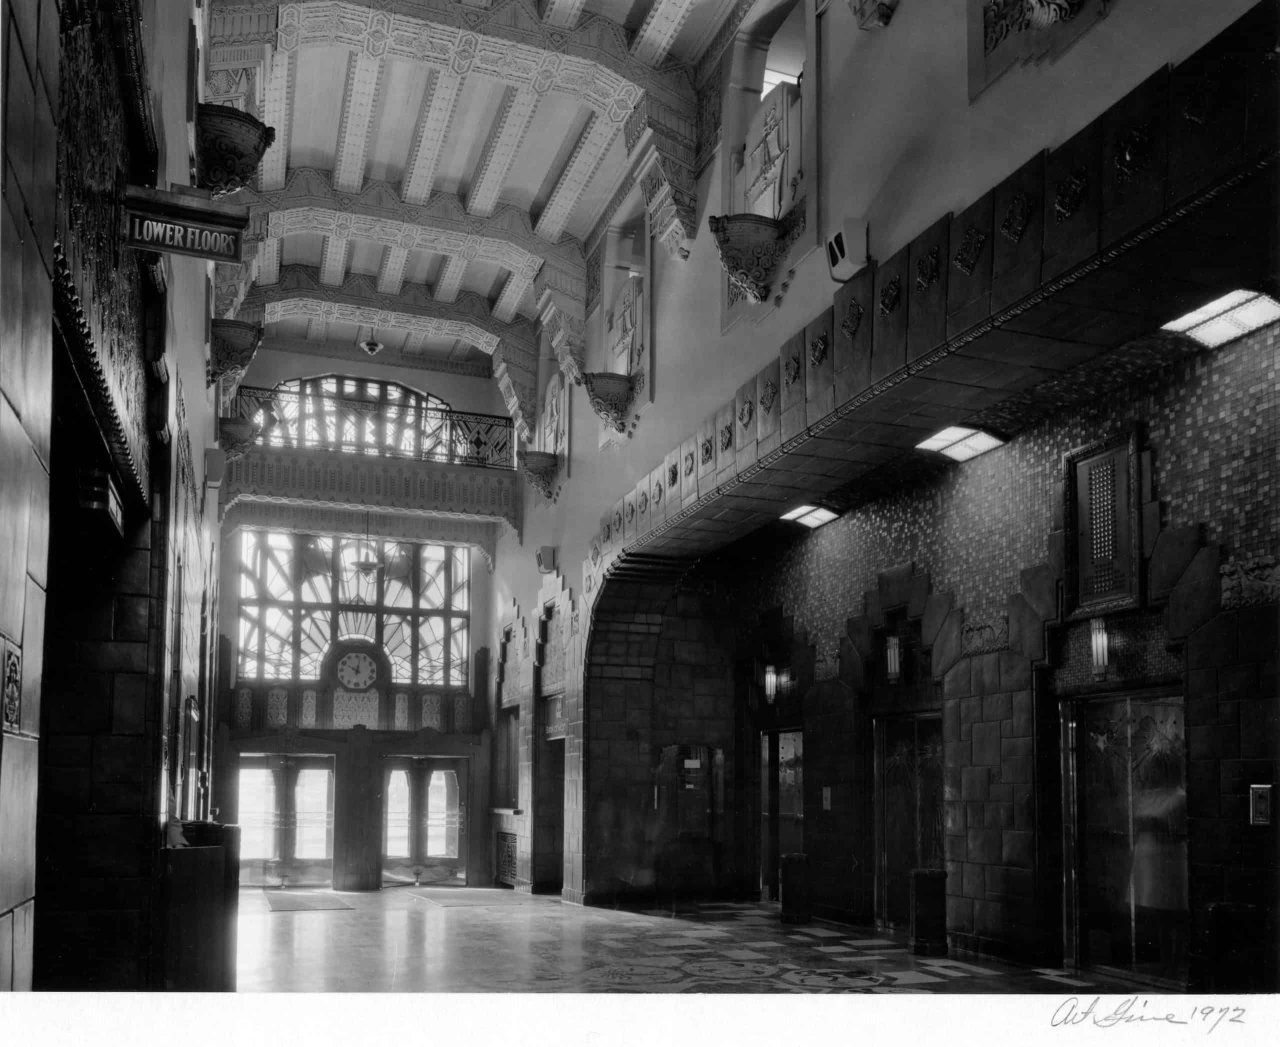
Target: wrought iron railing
{"points": [[377, 427]]}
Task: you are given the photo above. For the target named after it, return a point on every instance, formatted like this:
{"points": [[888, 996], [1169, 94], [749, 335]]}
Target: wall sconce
{"points": [[893, 658], [1100, 645], [770, 684]]}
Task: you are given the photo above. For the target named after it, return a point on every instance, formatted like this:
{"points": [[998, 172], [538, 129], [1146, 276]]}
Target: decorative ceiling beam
{"points": [[509, 43], [301, 294], [414, 355], [587, 154], [659, 30], [514, 291], [364, 73], [563, 13], [391, 271], [333, 262], [309, 203], [277, 112], [428, 136], [500, 152], [449, 282]]}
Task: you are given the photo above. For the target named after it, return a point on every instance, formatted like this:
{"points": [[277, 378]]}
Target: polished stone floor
{"points": [[474, 940]]}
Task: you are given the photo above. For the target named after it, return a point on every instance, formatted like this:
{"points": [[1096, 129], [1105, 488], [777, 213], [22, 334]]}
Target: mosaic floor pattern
{"points": [[392, 941]]}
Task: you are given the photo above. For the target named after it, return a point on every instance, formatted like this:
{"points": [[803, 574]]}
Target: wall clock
{"points": [[357, 671]]}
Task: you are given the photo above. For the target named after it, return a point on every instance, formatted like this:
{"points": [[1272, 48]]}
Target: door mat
{"points": [[459, 897], [297, 901]]}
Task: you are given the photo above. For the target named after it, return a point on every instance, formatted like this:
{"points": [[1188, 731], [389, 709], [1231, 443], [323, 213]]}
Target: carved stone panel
{"points": [[969, 265], [643, 503], [852, 323], [793, 361], [744, 428], [658, 496], [1135, 153], [1019, 229], [727, 430], [929, 271], [889, 308], [690, 452], [707, 456], [672, 482], [820, 382], [1072, 201], [768, 408], [1209, 111], [630, 519], [617, 523]]}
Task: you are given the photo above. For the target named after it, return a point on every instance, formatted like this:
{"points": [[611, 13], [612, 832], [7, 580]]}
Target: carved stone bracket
{"points": [[667, 177], [516, 384], [1250, 583], [562, 321], [752, 247], [542, 470], [229, 147], [232, 346], [611, 396], [237, 435]]}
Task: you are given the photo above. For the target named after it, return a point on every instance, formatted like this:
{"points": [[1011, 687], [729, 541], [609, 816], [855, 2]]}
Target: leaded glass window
{"points": [[300, 593]]}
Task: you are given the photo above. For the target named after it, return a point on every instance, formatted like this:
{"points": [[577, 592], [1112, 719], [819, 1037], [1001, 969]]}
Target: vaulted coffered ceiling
{"points": [[439, 166]]}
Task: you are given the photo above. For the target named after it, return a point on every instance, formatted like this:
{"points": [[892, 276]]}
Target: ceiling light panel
{"points": [[1227, 318]]}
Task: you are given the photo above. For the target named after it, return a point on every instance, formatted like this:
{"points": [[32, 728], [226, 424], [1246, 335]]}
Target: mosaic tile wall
{"points": [[1213, 425]]}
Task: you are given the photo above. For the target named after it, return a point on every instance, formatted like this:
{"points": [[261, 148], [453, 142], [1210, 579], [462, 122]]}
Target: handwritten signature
{"points": [[1133, 1009]]}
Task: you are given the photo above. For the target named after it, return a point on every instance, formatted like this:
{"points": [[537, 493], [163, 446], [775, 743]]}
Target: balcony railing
{"points": [[381, 427]]}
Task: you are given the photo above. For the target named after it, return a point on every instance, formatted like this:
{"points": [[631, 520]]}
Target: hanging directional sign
{"points": [[178, 223]]}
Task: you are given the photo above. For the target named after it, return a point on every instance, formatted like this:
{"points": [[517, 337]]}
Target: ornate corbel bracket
{"points": [[229, 147], [752, 247], [611, 396], [542, 470], [237, 435], [232, 347]]}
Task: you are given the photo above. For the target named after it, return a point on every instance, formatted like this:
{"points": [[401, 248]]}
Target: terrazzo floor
{"points": [[396, 941]]}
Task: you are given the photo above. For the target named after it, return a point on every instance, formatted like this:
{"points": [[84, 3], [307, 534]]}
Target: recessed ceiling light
{"points": [[1227, 318], [810, 515], [960, 443]]}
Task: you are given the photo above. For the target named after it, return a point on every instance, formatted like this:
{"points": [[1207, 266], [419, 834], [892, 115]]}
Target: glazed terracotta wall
{"points": [[29, 70]]}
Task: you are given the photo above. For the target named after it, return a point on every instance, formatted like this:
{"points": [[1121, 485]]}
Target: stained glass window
{"points": [[301, 593]]}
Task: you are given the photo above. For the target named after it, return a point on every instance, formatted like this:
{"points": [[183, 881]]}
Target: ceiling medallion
{"points": [[673, 475], [644, 501], [708, 450], [1016, 217], [631, 512], [726, 437], [818, 350], [767, 395], [1070, 195], [852, 320], [657, 493], [792, 371], [606, 532], [890, 296], [928, 269], [966, 259], [617, 520], [688, 464], [745, 413]]}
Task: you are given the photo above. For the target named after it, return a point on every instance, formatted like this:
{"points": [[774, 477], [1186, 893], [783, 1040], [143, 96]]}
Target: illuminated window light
{"points": [[1101, 647], [960, 443], [893, 658], [1227, 318], [770, 683], [772, 78], [810, 515]]}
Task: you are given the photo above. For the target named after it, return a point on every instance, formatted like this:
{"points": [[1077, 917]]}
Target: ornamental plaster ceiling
{"points": [[439, 165]]}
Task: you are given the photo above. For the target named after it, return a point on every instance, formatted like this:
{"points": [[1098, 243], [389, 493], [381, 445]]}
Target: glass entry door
{"points": [[1126, 835], [286, 820], [781, 804], [909, 809], [424, 821]]}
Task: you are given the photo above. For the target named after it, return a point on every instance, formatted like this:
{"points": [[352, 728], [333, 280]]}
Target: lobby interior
{"points": [[680, 496]]}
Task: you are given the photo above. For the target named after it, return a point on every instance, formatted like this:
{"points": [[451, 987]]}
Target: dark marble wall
{"points": [[29, 38]]}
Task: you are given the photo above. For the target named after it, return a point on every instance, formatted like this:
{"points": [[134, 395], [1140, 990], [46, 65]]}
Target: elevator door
{"points": [[781, 804], [909, 762], [1127, 835]]}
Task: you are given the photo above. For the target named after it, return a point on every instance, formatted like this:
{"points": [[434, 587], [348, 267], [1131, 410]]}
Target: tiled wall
{"points": [[29, 72]]}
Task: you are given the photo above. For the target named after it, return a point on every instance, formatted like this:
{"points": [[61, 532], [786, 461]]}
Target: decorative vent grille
{"points": [[506, 851], [1103, 527]]}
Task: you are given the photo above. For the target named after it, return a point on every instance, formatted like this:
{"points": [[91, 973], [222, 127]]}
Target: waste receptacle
{"points": [[797, 906], [928, 912]]}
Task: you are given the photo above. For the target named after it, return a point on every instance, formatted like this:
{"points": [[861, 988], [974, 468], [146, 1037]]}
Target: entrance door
{"points": [[286, 820], [908, 809], [1126, 835], [781, 804], [424, 821]]}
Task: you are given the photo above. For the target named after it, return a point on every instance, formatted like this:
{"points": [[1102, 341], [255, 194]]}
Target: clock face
{"points": [[357, 671]]}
